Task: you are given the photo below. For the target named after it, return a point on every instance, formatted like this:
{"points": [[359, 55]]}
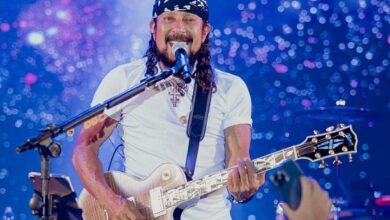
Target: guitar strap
{"points": [[196, 127], [196, 130]]}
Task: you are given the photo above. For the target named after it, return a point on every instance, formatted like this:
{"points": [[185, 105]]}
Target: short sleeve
{"points": [[111, 85], [239, 105]]}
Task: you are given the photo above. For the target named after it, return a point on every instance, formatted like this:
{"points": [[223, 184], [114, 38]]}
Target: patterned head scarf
{"points": [[197, 7]]}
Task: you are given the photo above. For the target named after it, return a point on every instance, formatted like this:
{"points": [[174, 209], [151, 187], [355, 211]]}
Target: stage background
{"points": [[295, 56]]}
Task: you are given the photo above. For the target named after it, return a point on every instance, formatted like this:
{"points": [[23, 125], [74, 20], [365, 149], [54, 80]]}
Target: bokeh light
{"points": [[296, 57]]}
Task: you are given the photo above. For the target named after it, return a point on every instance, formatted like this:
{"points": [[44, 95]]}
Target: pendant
{"points": [[174, 93], [178, 88]]}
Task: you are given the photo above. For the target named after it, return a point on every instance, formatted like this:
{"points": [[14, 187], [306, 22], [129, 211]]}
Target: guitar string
{"points": [[304, 147], [302, 150]]}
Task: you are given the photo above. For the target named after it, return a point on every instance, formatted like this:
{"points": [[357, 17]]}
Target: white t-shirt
{"points": [[153, 133]]}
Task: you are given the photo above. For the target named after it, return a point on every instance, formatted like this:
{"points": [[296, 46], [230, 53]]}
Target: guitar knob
{"points": [[323, 164], [350, 158], [329, 129], [70, 132], [337, 161]]}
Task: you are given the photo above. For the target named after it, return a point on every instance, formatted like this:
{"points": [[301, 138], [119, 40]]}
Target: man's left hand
{"points": [[243, 181]]}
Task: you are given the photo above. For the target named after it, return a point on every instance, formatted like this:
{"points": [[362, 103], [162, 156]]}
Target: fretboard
{"points": [[197, 188]]}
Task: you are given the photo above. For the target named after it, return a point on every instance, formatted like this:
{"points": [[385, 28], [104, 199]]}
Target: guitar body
{"points": [[167, 176]]}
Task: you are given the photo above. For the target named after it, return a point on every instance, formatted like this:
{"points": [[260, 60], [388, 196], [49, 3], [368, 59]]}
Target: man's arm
{"points": [[243, 181], [90, 170]]}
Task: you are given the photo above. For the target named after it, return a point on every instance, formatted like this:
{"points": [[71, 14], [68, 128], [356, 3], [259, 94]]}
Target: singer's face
{"points": [[178, 26]]}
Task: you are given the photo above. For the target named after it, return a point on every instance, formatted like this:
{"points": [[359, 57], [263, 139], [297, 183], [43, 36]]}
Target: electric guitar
{"points": [[166, 188]]}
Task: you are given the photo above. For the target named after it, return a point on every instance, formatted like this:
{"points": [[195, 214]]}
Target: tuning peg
{"points": [[341, 125], [330, 129], [337, 161], [350, 158], [316, 132], [323, 164]]}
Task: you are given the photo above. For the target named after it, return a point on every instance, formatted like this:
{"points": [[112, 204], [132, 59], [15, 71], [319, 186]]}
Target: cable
{"points": [[113, 154], [113, 145]]}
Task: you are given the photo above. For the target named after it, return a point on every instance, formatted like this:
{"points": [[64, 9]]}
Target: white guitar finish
{"points": [[166, 176], [157, 196]]}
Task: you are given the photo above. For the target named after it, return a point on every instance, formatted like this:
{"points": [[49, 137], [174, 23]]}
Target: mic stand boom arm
{"points": [[47, 148]]}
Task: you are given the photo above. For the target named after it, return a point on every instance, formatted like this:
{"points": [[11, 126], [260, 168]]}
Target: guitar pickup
{"points": [[157, 202]]}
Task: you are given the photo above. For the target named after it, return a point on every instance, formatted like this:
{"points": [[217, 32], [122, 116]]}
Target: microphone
{"points": [[179, 49]]}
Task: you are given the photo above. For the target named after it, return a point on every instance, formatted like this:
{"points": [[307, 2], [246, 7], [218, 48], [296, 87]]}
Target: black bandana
{"points": [[198, 7]]}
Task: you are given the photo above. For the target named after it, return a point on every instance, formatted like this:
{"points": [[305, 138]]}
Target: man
{"points": [[154, 123]]}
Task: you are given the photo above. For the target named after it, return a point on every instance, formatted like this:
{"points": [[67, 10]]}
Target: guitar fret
{"points": [[196, 188], [211, 183], [279, 158], [295, 153], [273, 160], [270, 161], [291, 153]]}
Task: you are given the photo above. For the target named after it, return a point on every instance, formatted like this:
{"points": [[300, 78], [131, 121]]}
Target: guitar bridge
{"points": [[157, 203]]}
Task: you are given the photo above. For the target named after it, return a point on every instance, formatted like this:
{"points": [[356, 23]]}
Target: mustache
{"points": [[179, 37]]}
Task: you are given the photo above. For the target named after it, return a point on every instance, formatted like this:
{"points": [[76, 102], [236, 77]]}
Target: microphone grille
{"points": [[179, 45]]}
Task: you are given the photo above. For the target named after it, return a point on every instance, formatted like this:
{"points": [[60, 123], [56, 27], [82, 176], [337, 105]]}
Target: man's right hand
{"points": [[122, 209]]}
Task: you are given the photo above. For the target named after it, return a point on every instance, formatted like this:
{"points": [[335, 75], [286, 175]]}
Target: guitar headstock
{"points": [[332, 143]]}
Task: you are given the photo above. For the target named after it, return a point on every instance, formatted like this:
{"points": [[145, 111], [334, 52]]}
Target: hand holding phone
{"points": [[304, 196], [287, 180]]}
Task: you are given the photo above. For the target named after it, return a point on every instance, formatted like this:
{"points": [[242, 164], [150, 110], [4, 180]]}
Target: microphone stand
{"points": [[47, 148]]}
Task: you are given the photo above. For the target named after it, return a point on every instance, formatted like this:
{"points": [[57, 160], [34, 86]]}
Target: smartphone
{"points": [[287, 180]]}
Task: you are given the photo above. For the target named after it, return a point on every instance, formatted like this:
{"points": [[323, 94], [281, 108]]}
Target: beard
{"points": [[163, 56]]}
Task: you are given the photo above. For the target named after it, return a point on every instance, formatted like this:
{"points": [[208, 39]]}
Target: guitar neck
{"points": [[197, 188]]}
